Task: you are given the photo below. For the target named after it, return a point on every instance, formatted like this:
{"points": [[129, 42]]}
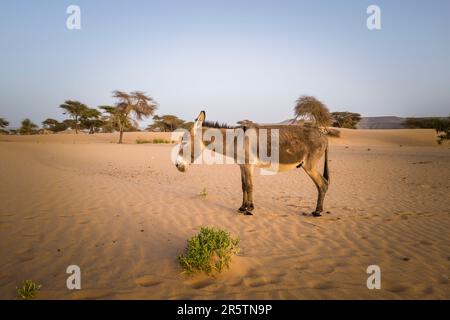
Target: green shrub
{"points": [[209, 251], [28, 289], [160, 141], [142, 141], [203, 193]]}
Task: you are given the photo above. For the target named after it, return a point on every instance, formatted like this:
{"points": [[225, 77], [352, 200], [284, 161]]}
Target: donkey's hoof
{"points": [[242, 209], [248, 213], [250, 207], [316, 214]]}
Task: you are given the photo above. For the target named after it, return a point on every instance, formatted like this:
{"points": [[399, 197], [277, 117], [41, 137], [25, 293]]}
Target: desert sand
{"points": [[123, 213]]}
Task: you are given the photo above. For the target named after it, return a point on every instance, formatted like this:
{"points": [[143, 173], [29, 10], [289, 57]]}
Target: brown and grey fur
{"points": [[299, 146]]}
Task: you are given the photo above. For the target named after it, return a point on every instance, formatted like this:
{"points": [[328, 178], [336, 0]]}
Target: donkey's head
{"points": [[183, 160]]}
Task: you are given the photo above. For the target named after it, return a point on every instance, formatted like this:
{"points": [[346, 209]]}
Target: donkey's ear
{"points": [[201, 117]]}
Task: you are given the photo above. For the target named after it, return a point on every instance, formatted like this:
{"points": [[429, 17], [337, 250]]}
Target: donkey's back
{"points": [[297, 144]]}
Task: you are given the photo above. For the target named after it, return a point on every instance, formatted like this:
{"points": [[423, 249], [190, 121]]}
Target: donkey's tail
{"points": [[326, 172]]}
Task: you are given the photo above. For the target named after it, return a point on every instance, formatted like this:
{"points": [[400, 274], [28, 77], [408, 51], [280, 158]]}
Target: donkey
{"points": [[298, 147]]}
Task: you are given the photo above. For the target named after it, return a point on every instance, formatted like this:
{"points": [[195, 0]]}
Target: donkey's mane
{"points": [[216, 125]]}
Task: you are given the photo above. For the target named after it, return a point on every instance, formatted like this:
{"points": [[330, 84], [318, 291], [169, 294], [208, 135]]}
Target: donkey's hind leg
{"points": [[247, 189], [321, 184], [248, 171]]}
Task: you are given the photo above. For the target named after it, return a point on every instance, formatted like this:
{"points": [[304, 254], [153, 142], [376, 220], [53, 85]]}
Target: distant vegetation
{"points": [[122, 116], [3, 125], [28, 127], [441, 125], [217, 125], [209, 251], [54, 125], [129, 108]]}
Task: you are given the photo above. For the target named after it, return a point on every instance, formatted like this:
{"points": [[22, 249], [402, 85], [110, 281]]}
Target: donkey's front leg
{"points": [[243, 207]]}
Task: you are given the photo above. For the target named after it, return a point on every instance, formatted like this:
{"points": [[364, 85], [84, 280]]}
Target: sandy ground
{"points": [[123, 214]]}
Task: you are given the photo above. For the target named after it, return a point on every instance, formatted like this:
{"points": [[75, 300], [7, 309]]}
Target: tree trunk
{"points": [[121, 135], [76, 125]]}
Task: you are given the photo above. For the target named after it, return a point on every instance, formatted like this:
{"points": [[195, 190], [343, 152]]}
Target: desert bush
{"points": [[142, 141], [209, 251], [203, 193], [159, 140], [28, 289], [442, 136], [310, 108]]}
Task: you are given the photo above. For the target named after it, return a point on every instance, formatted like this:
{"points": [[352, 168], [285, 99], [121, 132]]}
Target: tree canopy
{"points": [[54, 125], [168, 123]]}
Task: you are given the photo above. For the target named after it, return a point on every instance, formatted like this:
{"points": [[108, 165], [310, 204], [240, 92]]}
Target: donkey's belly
{"points": [[279, 167]]}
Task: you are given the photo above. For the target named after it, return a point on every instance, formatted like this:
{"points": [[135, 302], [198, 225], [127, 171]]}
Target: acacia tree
{"points": [[345, 119], [90, 119], [166, 123], [310, 108], [75, 110], [114, 119], [28, 127], [54, 125], [130, 107]]}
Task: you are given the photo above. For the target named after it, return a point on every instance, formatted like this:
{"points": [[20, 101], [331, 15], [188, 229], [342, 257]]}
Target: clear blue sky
{"points": [[235, 59]]}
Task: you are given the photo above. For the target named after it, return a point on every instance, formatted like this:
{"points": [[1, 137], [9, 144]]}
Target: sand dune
{"points": [[123, 213]]}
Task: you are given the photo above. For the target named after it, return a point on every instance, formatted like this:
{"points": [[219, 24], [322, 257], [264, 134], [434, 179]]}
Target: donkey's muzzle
{"points": [[181, 167]]}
